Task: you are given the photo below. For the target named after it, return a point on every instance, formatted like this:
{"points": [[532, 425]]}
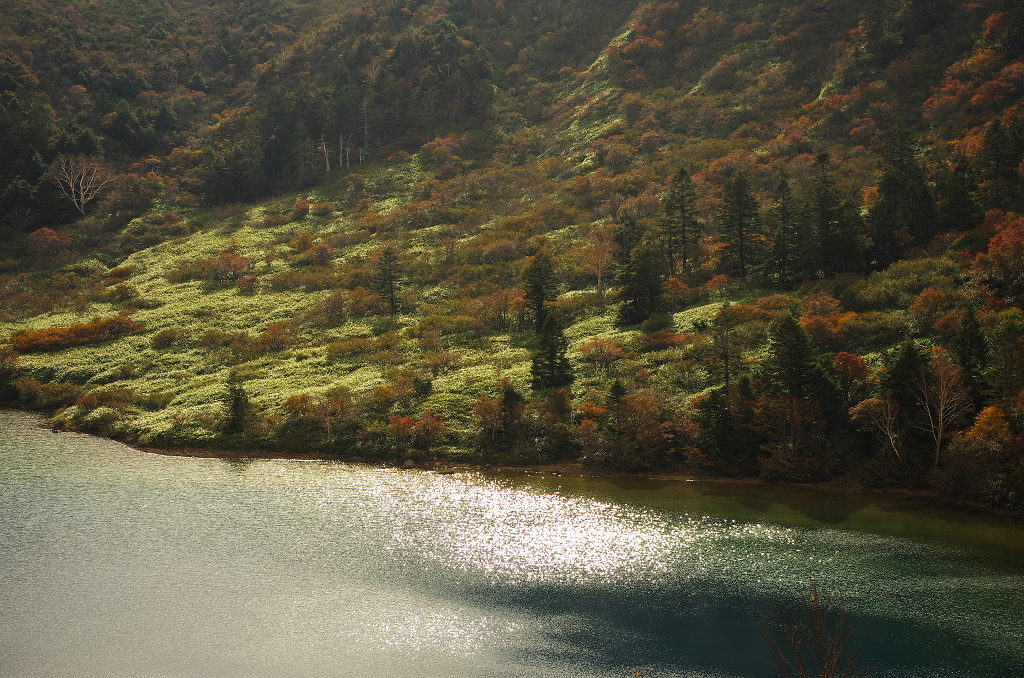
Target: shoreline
{"points": [[842, 485]]}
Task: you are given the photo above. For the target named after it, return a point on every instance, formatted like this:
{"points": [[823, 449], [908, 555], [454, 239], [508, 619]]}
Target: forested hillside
{"points": [[774, 239]]}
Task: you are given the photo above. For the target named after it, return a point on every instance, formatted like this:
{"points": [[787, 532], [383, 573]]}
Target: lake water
{"points": [[115, 562]]}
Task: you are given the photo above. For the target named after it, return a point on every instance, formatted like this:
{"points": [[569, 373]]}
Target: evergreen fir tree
{"points": [[726, 350], [236, 405], [627, 236], [679, 223], [790, 366], [385, 281], [640, 280], [539, 280], [901, 364], [999, 157], [738, 222], [835, 224], [616, 391], [550, 363], [970, 347], [956, 189], [783, 261], [904, 211]]}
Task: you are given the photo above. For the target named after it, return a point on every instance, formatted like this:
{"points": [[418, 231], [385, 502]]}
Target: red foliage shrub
{"points": [[679, 295], [119, 275], [320, 254], [247, 285], [321, 209], [276, 337], [947, 326], [601, 352], [47, 242], [57, 338], [659, 341], [300, 209]]}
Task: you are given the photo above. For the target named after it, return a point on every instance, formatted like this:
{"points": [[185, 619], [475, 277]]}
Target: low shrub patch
{"points": [[57, 338]]}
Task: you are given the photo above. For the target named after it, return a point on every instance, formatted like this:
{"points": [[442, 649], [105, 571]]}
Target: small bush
{"points": [[352, 346], [119, 293], [311, 280], [117, 398], [657, 322], [119, 275], [322, 209], [49, 396], [248, 285], [300, 209], [271, 220], [276, 337], [165, 338]]}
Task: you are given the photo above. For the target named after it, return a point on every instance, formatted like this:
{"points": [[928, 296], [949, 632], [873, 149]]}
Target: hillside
{"points": [[775, 239]]}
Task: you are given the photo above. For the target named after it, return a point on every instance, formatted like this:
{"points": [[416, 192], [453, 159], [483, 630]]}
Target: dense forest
{"points": [[780, 239]]}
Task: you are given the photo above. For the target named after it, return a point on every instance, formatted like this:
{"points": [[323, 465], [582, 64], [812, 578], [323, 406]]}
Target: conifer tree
{"points": [[726, 350], [901, 365], [999, 157], [904, 205], [738, 222], [679, 222], [236, 406], [386, 276], [640, 280], [970, 346], [835, 224], [956, 189], [790, 366], [627, 236], [539, 280], [550, 364], [783, 260]]}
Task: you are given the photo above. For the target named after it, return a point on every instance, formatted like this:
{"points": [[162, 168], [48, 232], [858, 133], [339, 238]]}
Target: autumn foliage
{"points": [[57, 338]]}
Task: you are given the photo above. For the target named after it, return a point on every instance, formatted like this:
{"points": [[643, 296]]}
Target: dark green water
{"points": [[117, 563]]}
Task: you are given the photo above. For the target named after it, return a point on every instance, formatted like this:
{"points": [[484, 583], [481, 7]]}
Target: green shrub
{"points": [[165, 338], [48, 396]]}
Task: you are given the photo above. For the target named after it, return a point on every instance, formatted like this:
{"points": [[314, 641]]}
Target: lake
{"points": [[115, 562]]}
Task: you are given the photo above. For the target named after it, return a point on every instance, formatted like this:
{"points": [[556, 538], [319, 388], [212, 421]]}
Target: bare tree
{"points": [[944, 397], [327, 157], [373, 69], [80, 178], [810, 636], [880, 415]]}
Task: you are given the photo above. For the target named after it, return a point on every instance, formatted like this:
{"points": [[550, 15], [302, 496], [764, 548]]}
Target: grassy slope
{"points": [[194, 377]]}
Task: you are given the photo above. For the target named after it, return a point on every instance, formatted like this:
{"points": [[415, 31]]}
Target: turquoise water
{"points": [[115, 562]]}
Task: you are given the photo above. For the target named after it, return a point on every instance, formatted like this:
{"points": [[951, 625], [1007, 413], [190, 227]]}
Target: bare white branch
{"points": [[80, 178]]}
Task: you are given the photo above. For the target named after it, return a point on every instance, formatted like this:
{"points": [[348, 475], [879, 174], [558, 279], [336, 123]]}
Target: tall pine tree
{"points": [[539, 280], [783, 262], [790, 366], [903, 214], [970, 347], [385, 281], [835, 224], [550, 366], [640, 281], [679, 222], [739, 220], [956, 189]]}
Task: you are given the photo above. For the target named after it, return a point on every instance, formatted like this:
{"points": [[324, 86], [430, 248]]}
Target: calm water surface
{"points": [[118, 563]]}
